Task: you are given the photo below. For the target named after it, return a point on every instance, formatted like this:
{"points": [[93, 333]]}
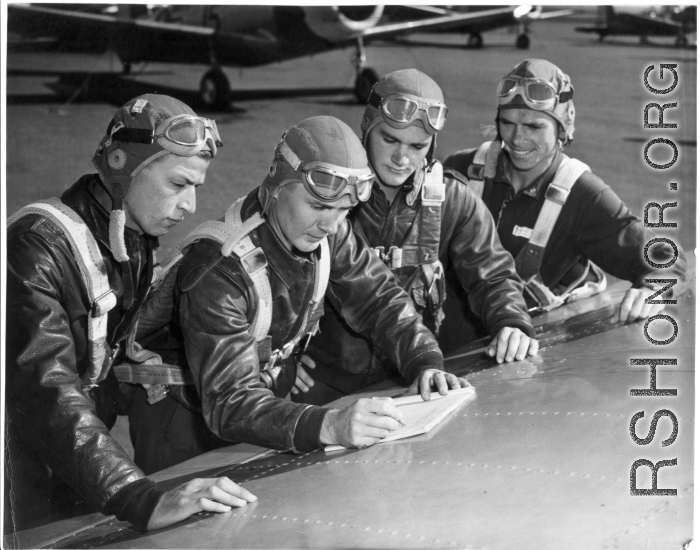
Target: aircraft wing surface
{"points": [[45, 21], [440, 22], [541, 459]]}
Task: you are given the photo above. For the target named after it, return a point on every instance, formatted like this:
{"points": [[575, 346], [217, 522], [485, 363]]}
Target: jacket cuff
{"points": [[424, 361], [514, 323], [135, 502], [307, 436]]}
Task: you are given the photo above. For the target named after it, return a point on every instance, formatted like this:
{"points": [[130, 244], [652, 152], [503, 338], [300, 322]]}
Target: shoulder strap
{"points": [[92, 269], [483, 166], [529, 260], [422, 241], [558, 191], [234, 236]]}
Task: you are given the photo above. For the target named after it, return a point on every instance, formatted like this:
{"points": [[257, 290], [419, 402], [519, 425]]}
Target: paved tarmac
{"points": [[52, 131]]}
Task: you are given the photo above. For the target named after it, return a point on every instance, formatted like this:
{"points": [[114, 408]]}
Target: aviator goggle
{"points": [[404, 109], [183, 135], [539, 95], [328, 182]]}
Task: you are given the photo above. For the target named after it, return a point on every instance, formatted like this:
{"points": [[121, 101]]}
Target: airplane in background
{"points": [[675, 21], [520, 18], [241, 36]]}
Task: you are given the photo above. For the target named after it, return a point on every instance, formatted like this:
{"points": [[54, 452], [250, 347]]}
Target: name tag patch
{"points": [[524, 232]]}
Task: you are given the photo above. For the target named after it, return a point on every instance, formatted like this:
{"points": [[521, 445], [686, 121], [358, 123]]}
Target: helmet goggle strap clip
{"points": [[326, 181], [183, 135], [403, 109]]}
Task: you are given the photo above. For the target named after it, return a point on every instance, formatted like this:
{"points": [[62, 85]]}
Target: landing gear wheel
{"points": [[475, 41], [364, 82], [522, 42], [681, 41], [215, 90], [127, 67]]}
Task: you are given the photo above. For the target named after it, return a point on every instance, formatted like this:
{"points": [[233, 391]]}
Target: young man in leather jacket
{"points": [[242, 373], [61, 393], [520, 182], [433, 233]]}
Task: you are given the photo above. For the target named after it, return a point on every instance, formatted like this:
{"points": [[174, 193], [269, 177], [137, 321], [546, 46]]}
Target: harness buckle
{"points": [[104, 304], [395, 257], [557, 194], [254, 261]]}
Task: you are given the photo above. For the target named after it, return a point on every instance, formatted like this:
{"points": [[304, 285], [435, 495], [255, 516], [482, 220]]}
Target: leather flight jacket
{"points": [[475, 263], [52, 421], [217, 304]]}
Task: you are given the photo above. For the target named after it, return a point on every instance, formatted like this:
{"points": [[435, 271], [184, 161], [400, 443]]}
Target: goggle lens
{"points": [[364, 189], [536, 91], [539, 92], [330, 186], [437, 114], [400, 109], [186, 132], [506, 86], [404, 110], [326, 184]]}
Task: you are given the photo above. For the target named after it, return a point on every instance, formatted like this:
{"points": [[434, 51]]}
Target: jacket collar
{"points": [[282, 260], [537, 188], [89, 198]]}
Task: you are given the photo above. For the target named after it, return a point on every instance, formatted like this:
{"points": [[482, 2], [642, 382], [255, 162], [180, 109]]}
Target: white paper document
{"points": [[422, 416]]}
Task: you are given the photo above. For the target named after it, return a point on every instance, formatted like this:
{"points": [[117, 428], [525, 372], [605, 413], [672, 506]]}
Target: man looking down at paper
{"points": [[297, 241], [560, 221], [429, 229]]}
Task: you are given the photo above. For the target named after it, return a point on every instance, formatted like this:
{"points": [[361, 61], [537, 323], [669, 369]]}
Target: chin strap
{"points": [[117, 222]]}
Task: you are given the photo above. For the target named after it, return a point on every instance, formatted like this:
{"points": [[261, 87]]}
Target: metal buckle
{"points": [[254, 261], [287, 349], [433, 192], [395, 257], [104, 304], [556, 194]]}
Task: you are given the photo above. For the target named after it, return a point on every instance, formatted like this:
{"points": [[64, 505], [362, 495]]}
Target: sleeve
{"points": [[44, 394], [222, 354], [369, 299], [484, 268], [613, 238]]}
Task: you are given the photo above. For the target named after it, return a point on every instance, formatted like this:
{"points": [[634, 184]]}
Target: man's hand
{"points": [[361, 424], [198, 495], [441, 380], [633, 306], [303, 381], [512, 343]]}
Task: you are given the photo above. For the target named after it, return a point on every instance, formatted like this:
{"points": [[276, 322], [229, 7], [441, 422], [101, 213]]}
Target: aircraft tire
{"points": [[681, 41], [215, 90], [475, 41], [522, 42], [364, 82]]}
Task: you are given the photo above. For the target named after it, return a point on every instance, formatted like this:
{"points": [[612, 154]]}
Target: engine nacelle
{"points": [[336, 23]]}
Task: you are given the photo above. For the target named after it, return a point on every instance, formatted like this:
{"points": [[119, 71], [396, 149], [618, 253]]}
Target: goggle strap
{"points": [[134, 135], [566, 96], [375, 100], [290, 156]]}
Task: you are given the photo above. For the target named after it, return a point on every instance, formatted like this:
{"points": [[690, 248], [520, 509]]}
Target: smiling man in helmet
{"points": [[78, 271], [422, 223], [249, 291], [560, 222]]}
